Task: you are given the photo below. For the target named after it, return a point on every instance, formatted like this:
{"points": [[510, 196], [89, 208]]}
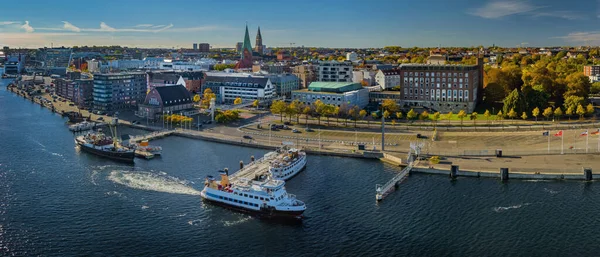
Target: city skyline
{"points": [[323, 24]]}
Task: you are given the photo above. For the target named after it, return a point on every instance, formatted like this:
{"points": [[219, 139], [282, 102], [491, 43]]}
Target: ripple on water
{"points": [[152, 182]]}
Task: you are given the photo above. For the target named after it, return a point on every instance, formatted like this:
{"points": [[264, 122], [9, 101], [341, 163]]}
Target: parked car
{"points": [[309, 130], [101, 118], [71, 104], [296, 131], [247, 137], [287, 123]]}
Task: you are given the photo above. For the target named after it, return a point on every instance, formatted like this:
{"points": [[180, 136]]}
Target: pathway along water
{"points": [[55, 201]]}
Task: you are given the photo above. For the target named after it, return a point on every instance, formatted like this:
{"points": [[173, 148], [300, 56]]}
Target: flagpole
{"points": [[548, 142], [587, 139], [562, 143]]}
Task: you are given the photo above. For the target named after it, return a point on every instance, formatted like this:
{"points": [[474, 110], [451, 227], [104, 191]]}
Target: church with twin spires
{"points": [[247, 52]]}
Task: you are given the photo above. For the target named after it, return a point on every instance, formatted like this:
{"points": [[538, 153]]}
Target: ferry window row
{"points": [[250, 196], [237, 201]]}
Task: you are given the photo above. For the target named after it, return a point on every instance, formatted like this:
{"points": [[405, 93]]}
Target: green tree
{"points": [[354, 112], [574, 101], [389, 105], [424, 115], [577, 85], [512, 114], [320, 110], [548, 112], [487, 116], [336, 113], [535, 113], [461, 115], [386, 114], [295, 109], [493, 92], [569, 112], [595, 88], [411, 114], [558, 113], [279, 107], [515, 100], [580, 111]]}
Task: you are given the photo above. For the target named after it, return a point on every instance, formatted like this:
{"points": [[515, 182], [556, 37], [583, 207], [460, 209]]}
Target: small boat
{"points": [[82, 126], [263, 195], [156, 150], [287, 163]]}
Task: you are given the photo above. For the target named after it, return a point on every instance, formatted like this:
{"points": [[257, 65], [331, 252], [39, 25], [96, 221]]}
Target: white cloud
{"points": [[498, 9], [27, 27], [71, 27], [585, 37], [164, 28], [158, 26], [199, 28], [104, 27], [143, 25], [8, 22], [567, 15]]}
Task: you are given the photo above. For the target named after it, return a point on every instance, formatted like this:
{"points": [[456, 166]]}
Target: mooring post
{"points": [[241, 165], [587, 172], [453, 171], [252, 158], [504, 174]]}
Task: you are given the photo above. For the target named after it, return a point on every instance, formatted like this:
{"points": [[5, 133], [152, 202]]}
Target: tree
{"points": [[411, 114], [473, 117], [595, 88], [295, 108], [569, 112], [354, 113], [589, 109], [436, 116], [336, 113], [362, 114], [500, 117], [389, 105], [548, 112], [373, 116], [493, 92], [461, 115], [512, 114], [306, 111], [399, 115], [535, 113], [320, 110], [580, 111], [449, 116], [434, 160], [424, 115], [524, 116], [255, 103], [279, 107], [237, 101], [394, 123], [344, 109], [515, 101], [558, 113], [578, 85], [386, 114], [208, 94], [197, 98], [574, 101]]}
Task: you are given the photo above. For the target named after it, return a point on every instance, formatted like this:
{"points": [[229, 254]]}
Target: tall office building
{"points": [[117, 91]]}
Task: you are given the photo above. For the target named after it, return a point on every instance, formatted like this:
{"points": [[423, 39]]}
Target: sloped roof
{"points": [[174, 95]]}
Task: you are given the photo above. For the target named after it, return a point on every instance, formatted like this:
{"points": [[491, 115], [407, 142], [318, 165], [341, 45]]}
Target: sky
{"points": [[318, 23]]}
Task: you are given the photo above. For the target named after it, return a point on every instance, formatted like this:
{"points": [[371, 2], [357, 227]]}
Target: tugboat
{"points": [[287, 163], [109, 147], [263, 196]]}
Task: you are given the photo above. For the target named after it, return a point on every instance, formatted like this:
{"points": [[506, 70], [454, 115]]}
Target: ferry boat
{"points": [[263, 195], [287, 163], [102, 145]]}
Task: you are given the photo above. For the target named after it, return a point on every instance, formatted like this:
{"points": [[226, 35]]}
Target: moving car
{"points": [[247, 137], [296, 131]]}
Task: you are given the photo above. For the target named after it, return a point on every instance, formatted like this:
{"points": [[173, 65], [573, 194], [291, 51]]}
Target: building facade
{"points": [[204, 47], [195, 46], [591, 70], [284, 84], [352, 56], [333, 71], [387, 79], [160, 100], [335, 93], [228, 87], [116, 91], [307, 73], [55, 60], [78, 91], [14, 64]]}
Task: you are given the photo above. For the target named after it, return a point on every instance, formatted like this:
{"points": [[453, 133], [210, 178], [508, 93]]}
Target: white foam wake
{"points": [[502, 209], [152, 182]]}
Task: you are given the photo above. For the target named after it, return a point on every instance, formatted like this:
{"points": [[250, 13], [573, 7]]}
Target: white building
{"points": [[202, 64], [94, 65], [333, 71], [351, 56], [153, 62], [229, 86], [595, 78], [387, 79], [121, 65], [368, 76]]}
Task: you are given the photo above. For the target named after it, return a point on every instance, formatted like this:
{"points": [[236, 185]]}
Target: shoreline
{"points": [[374, 155]]}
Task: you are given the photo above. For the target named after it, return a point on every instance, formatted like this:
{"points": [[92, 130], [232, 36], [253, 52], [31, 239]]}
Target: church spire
{"points": [[246, 44], [259, 45]]}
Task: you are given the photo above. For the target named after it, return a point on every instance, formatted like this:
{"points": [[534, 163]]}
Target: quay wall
{"points": [[512, 175]]}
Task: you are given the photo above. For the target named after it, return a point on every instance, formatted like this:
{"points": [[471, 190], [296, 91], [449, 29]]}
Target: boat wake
{"points": [[152, 182], [503, 209], [551, 191], [236, 222]]}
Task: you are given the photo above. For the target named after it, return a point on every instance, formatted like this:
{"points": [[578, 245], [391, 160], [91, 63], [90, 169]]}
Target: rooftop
{"points": [[336, 87], [174, 95]]}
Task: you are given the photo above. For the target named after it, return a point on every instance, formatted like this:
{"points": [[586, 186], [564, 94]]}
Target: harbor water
{"points": [[57, 201]]}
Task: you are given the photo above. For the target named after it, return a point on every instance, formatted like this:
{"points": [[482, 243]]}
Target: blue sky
{"points": [[327, 23]]}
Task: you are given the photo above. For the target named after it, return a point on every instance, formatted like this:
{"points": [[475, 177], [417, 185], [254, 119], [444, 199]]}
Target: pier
{"points": [[152, 136], [252, 169], [413, 159]]}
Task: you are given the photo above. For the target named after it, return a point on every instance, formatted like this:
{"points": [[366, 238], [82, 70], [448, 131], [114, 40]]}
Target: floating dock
{"points": [[144, 154]]}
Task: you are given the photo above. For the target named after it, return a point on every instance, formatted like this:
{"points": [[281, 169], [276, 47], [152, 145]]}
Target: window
{"points": [[466, 75], [444, 80], [466, 79], [460, 85], [421, 91], [438, 85], [426, 74], [460, 93], [443, 74], [410, 91], [466, 95], [421, 74]]}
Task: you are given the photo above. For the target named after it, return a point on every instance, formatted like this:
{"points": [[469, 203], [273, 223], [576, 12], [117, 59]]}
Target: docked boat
{"points": [[287, 163], [263, 195], [102, 145], [153, 149], [82, 126]]}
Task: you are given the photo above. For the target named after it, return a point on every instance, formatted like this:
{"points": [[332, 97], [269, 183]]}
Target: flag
{"points": [[597, 132], [585, 133], [546, 133], [559, 133]]}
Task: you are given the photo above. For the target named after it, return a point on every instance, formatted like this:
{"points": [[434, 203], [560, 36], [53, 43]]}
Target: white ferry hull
{"points": [[262, 212]]}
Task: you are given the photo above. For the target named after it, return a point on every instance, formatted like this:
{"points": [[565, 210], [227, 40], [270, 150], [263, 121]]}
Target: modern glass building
{"points": [[117, 91]]}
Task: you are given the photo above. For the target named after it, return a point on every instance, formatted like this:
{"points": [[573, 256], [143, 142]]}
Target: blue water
{"points": [[56, 201]]}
